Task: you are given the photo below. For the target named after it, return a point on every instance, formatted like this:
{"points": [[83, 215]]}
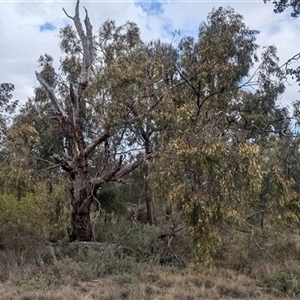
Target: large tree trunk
{"points": [[81, 199], [81, 224]]}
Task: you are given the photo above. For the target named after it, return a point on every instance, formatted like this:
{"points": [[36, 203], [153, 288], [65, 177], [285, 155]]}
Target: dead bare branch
{"points": [[87, 45], [57, 107], [255, 214], [261, 248]]}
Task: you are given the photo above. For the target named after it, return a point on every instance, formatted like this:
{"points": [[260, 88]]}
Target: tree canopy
{"points": [[282, 5]]}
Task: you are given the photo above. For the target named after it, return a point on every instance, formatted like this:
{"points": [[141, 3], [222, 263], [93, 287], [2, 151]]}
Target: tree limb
{"points": [[117, 173], [72, 95], [97, 182], [98, 140], [128, 169], [57, 107]]}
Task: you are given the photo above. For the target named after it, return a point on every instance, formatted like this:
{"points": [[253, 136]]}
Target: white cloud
{"points": [[22, 41]]}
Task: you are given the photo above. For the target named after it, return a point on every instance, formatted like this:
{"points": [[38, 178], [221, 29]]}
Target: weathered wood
{"points": [[56, 105], [87, 46]]}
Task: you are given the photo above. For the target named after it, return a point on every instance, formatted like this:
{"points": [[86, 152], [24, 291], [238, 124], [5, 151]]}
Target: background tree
{"points": [[7, 107], [32, 193], [289, 148], [142, 77], [282, 5]]}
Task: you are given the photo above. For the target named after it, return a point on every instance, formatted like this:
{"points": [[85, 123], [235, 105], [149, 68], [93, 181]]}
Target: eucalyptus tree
{"points": [[219, 118], [30, 203], [127, 82]]}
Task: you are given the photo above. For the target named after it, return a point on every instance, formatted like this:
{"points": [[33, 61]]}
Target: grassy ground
{"points": [[141, 266], [151, 283]]}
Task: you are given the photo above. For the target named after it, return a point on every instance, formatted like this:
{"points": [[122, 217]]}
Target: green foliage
{"points": [[39, 213], [292, 72], [211, 185], [31, 198], [216, 184], [6, 90]]}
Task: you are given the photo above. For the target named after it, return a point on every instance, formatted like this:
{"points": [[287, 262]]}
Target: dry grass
{"points": [[143, 268], [152, 283]]}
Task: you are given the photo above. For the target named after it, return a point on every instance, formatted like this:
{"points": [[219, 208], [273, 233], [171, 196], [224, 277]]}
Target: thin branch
{"points": [[249, 80], [295, 57], [255, 241], [45, 160], [206, 98], [198, 99], [156, 103], [261, 248], [68, 14], [48, 162], [97, 215], [186, 81], [49, 168], [255, 214], [243, 230]]}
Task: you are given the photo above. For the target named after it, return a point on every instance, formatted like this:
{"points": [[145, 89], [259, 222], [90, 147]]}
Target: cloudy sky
{"points": [[30, 28]]}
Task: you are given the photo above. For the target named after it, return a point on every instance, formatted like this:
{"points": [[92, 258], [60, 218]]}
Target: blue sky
{"points": [[47, 26], [29, 29], [151, 6]]}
